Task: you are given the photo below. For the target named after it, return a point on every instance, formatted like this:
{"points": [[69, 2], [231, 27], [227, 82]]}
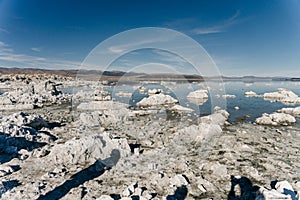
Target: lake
{"points": [[249, 107]]}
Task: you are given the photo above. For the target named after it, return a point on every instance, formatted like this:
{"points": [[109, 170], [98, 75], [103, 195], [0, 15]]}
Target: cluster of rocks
{"points": [[108, 150], [281, 95], [32, 95], [276, 119]]}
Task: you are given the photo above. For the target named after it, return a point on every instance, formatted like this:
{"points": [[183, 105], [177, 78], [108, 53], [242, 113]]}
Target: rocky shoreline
{"points": [[87, 146]]}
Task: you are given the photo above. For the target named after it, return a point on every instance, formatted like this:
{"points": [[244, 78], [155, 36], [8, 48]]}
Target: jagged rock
{"points": [[101, 105], [218, 117], [105, 197], [179, 180], [124, 94], [197, 133], [179, 108], [22, 119], [32, 95], [282, 190], [250, 94], [104, 118], [197, 101], [17, 107], [198, 94], [275, 119], [92, 95], [88, 149], [231, 96], [291, 111], [154, 91], [216, 169], [157, 99], [8, 169], [282, 95]]}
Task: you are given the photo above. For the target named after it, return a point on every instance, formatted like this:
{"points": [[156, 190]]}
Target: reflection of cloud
{"points": [[218, 28], [10, 58], [37, 49]]}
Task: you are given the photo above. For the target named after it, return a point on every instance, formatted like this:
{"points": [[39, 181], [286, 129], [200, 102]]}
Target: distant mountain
{"points": [[116, 75], [4, 70]]}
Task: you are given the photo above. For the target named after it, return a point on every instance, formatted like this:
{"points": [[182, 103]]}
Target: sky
{"points": [[246, 37]]}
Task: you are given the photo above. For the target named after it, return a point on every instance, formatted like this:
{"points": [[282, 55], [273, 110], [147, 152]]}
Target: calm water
{"points": [[249, 106]]}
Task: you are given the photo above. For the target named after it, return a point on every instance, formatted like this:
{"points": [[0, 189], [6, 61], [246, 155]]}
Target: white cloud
{"points": [[10, 58], [37, 49], [222, 27], [3, 30], [138, 43]]}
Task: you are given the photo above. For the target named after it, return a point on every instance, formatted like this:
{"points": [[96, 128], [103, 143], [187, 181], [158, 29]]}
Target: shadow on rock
{"points": [[180, 193], [93, 171], [242, 189], [8, 185], [9, 146]]}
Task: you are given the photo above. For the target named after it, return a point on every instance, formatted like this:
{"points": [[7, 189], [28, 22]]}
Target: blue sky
{"points": [[249, 37]]}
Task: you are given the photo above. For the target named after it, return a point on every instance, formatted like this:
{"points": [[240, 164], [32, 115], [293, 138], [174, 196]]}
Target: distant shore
{"points": [[114, 76]]}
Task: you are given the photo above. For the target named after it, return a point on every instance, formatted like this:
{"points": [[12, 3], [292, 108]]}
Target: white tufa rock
{"points": [[198, 94], [283, 190], [282, 95], [250, 94], [105, 197], [275, 119], [101, 105], [179, 180], [219, 117], [180, 108], [154, 91], [230, 96], [157, 99], [291, 111]]}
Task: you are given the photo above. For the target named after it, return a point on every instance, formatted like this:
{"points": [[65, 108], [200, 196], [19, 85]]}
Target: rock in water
{"points": [[198, 94], [276, 119], [157, 99]]}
